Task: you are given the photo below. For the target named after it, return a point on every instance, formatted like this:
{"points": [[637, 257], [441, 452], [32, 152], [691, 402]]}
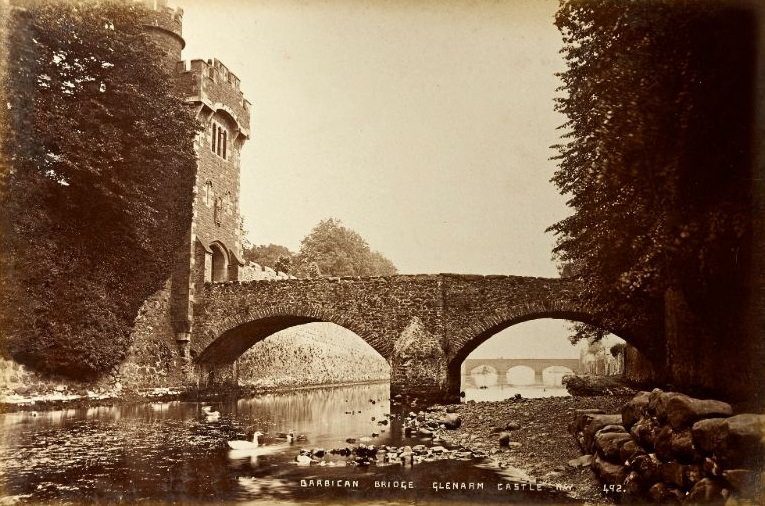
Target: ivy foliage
{"points": [[658, 100], [97, 191]]}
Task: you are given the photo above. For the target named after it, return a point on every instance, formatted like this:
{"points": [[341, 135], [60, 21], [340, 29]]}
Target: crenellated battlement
{"points": [[210, 81]]}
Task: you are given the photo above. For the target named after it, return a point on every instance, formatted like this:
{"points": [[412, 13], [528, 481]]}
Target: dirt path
{"points": [[541, 446]]}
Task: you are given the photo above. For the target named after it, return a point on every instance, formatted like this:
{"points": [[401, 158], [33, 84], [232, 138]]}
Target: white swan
{"points": [[243, 444], [210, 415]]}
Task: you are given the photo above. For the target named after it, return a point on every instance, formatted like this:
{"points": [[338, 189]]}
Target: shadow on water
{"points": [[171, 452]]}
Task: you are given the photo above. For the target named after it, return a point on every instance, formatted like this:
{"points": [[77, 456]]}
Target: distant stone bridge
{"points": [[502, 365], [424, 325]]}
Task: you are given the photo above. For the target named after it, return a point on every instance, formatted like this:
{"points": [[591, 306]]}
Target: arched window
{"points": [[219, 142], [208, 193]]}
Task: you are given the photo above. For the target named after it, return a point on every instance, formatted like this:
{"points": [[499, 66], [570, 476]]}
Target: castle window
{"points": [[214, 136], [208, 193], [219, 143]]}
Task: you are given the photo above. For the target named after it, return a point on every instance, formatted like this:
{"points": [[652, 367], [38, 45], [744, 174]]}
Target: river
{"points": [[170, 451]]}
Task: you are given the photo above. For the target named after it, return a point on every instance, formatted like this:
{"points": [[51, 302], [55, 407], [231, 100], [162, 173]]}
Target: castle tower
{"points": [[214, 249]]}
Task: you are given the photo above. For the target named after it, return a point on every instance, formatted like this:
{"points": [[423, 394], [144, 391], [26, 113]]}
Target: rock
{"points": [[648, 466], [582, 418], [745, 441], [709, 434], [596, 423], [634, 409], [645, 432], [504, 439], [351, 440], [629, 450], [452, 409], [497, 430], [423, 432], [451, 421], [609, 444], [736, 441], [662, 493], [681, 445], [512, 426], [706, 491], [673, 473], [663, 444], [682, 411], [583, 461], [693, 473], [634, 485], [612, 474], [744, 481]]}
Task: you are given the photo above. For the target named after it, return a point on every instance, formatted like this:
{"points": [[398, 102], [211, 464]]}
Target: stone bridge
{"points": [[502, 365], [424, 325]]}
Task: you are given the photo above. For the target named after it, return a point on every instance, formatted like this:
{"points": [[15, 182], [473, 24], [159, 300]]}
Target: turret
{"points": [[164, 24]]}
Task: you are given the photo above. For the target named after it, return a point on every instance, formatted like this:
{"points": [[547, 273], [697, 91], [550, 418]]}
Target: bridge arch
{"points": [[553, 375], [485, 328], [240, 330], [520, 375]]}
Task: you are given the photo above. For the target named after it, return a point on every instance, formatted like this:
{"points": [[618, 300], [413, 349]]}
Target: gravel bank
{"points": [[541, 445]]}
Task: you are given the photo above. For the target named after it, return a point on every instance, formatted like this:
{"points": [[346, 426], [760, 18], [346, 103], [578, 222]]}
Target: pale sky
{"points": [[425, 126]]}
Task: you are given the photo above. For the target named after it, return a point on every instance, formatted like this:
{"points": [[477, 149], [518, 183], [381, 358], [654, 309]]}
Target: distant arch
{"points": [[553, 375], [484, 329], [521, 375]]}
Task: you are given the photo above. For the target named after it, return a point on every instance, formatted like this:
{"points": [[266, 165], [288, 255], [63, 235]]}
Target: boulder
{"points": [[596, 423], [612, 474], [451, 421], [628, 450], [737, 441], [673, 473], [693, 473], [663, 444], [609, 444], [512, 426], [634, 409], [681, 444], [583, 461], [634, 485], [648, 466], [645, 432], [707, 490], [682, 411], [745, 441], [745, 482], [709, 434], [663, 493], [504, 439], [582, 418]]}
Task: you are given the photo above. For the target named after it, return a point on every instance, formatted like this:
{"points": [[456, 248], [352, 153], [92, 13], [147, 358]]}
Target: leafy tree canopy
{"points": [[658, 100], [269, 255], [331, 249], [97, 195]]}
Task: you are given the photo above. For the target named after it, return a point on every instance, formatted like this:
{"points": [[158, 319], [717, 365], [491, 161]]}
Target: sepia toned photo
{"points": [[403, 252]]}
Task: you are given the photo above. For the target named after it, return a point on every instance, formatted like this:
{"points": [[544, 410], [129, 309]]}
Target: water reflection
{"points": [[485, 387], [169, 451]]}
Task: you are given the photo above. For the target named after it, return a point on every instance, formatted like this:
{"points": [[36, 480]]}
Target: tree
{"points": [[97, 195], [268, 255], [656, 162], [331, 249]]}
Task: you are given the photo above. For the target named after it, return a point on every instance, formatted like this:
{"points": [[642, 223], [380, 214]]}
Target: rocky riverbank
{"points": [[536, 445]]}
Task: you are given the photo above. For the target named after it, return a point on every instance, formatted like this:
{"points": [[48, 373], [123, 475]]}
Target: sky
{"points": [[426, 126]]}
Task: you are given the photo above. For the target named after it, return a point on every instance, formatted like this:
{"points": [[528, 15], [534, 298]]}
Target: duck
{"points": [[243, 444], [289, 436]]}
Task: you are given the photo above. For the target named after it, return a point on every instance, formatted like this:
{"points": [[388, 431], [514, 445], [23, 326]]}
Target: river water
{"points": [[170, 451]]}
